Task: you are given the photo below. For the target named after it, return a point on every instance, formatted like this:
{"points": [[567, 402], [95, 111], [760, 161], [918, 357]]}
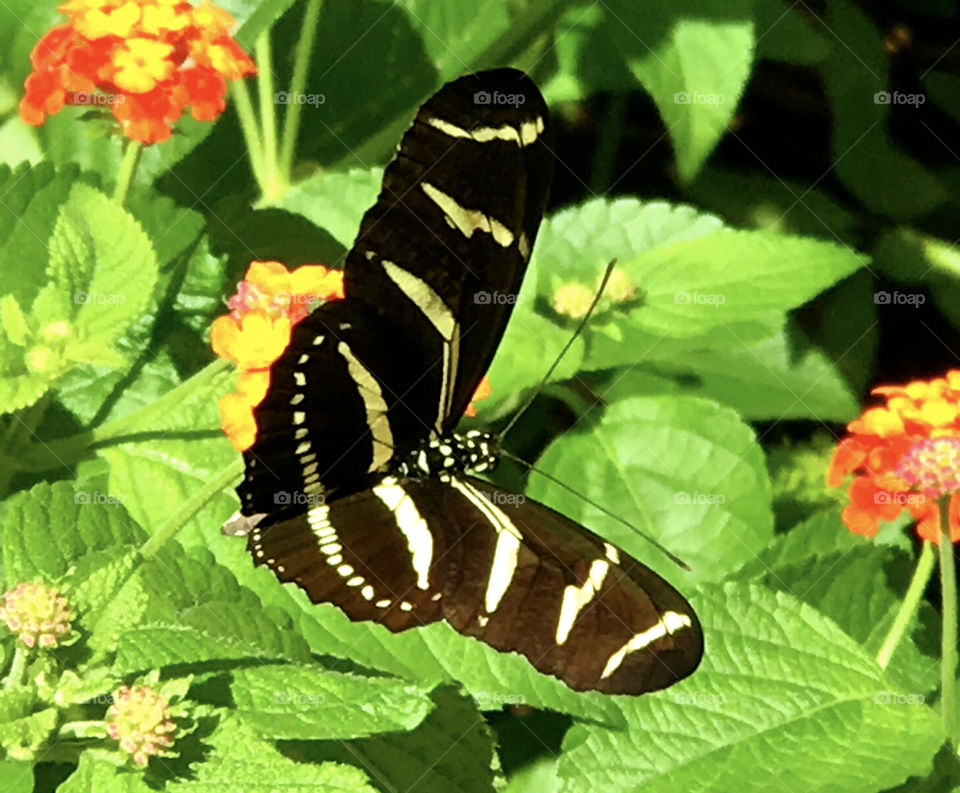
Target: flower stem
{"points": [[291, 119], [948, 639], [195, 503], [909, 605], [250, 129], [128, 166], [268, 112]]}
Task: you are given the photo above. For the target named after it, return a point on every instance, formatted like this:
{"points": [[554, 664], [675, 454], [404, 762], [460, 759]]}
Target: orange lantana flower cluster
{"points": [[147, 60], [269, 302], [904, 455]]}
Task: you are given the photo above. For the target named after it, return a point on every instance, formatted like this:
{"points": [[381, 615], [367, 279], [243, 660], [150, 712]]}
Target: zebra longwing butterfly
{"points": [[363, 404]]}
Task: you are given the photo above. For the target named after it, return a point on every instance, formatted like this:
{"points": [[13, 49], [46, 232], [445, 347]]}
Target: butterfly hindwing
{"points": [[506, 570]]}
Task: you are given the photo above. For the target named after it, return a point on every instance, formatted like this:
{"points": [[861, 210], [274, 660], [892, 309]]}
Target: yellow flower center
{"points": [[141, 64]]}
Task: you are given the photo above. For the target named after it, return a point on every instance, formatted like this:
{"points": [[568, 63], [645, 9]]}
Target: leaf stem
{"points": [[128, 166], [268, 113], [250, 129], [909, 605], [194, 504], [301, 67], [18, 666], [948, 639]]}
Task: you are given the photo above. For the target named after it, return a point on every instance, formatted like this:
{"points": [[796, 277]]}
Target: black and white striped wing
{"points": [[506, 570], [365, 381]]}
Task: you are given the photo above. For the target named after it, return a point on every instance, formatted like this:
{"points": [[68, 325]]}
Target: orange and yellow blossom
{"points": [[903, 455], [147, 60], [268, 303]]}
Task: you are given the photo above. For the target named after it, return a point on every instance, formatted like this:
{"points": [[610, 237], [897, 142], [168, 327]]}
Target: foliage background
{"points": [[841, 274]]}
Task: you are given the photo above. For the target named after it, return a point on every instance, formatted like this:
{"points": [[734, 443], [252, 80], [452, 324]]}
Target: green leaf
{"points": [[694, 58], [13, 321], [31, 197], [335, 201], [16, 776], [301, 702], [787, 35], [688, 472], [47, 529], [450, 752], [779, 377], [99, 770], [101, 258], [779, 676], [198, 612], [20, 738], [855, 77], [241, 762]]}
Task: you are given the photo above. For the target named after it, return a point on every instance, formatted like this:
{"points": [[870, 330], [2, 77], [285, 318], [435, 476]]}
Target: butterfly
{"points": [[391, 523]]}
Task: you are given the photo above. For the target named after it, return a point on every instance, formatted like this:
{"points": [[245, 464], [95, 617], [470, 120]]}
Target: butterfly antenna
{"points": [[671, 556], [579, 329]]}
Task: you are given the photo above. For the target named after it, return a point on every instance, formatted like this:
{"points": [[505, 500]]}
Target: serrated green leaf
{"points": [[694, 58], [688, 472], [20, 738], [241, 762], [98, 770], [776, 676], [198, 612], [47, 529], [307, 703], [101, 257], [450, 752]]}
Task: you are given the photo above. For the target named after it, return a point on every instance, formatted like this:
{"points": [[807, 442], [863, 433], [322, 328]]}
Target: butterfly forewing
{"points": [[430, 283]]}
